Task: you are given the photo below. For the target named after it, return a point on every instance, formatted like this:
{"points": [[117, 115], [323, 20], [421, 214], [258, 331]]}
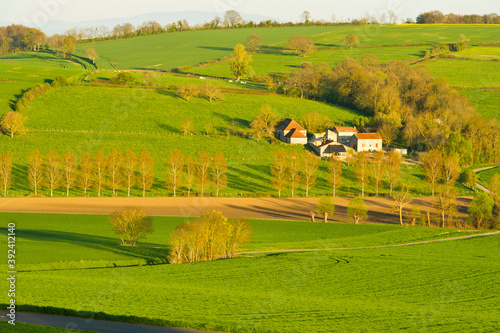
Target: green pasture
{"points": [[486, 102], [25, 328], [287, 62], [484, 52], [61, 241], [44, 58], [191, 48], [441, 287], [466, 73], [14, 79], [485, 176]]}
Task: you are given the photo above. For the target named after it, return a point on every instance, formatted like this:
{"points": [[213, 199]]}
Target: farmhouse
{"points": [[341, 134], [290, 131], [367, 142], [327, 148]]}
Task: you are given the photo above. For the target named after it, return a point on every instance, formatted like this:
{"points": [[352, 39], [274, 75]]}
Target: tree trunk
{"points": [[67, 191], [326, 217], [12, 134], [401, 215], [143, 192], [51, 192], [128, 191], [312, 216]]}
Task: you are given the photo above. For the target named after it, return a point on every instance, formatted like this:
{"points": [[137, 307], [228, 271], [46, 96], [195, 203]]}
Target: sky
{"points": [[36, 11]]}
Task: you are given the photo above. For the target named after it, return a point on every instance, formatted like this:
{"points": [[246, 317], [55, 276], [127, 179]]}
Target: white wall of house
{"points": [[367, 145]]}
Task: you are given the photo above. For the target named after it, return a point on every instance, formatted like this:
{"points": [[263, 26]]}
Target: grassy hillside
{"points": [[169, 51], [485, 102], [486, 176], [443, 287]]}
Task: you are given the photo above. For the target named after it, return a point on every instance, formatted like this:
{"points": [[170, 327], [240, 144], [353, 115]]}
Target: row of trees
{"points": [[116, 170], [15, 38], [438, 17]]}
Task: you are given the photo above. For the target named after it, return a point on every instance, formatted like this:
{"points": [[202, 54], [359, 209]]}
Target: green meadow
{"points": [[444, 287], [25, 328], [485, 102], [485, 176]]}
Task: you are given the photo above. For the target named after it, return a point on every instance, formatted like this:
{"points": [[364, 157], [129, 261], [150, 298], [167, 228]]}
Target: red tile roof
{"points": [[289, 124], [346, 129], [368, 136], [295, 134]]}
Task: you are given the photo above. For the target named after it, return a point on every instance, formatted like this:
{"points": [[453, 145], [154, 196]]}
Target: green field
{"points": [[194, 47], [45, 59], [485, 102], [485, 176], [25, 328], [444, 287]]}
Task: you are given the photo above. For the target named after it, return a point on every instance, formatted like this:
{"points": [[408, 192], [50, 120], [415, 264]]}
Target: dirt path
{"points": [[379, 209], [479, 186], [376, 247]]}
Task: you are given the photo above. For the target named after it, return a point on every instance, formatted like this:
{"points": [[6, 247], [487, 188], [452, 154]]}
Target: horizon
{"points": [[41, 13]]}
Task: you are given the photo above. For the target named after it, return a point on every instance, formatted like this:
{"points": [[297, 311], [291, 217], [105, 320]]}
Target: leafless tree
{"points": [[70, 168], [278, 170], [6, 171], [35, 169], [114, 164], [309, 170], [100, 167], [175, 168], [335, 173], [219, 169], [203, 163], [53, 172], [86, 171], [129, 167]]}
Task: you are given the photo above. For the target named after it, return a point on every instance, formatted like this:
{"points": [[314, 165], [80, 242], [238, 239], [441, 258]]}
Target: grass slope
{"points": [[25, 328], [442, 287], [485, 176], [485, 102], [169, 51], [59, 241]]}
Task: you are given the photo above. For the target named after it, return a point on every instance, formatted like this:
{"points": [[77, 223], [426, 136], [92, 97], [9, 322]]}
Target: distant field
{"points": [[466, 73], [17, 78], [264, 63], [482, 51], [487, 103], [43, 58], [191, 48], [444, 287]]}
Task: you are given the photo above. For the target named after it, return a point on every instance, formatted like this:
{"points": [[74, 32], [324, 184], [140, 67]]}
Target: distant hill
{"points": [[193, 17]]}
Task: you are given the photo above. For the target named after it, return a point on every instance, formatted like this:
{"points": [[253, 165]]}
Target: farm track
{"points": [[479, 186], [380, 210]]}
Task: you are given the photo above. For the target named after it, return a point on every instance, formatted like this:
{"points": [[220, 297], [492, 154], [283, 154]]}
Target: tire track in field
{"points": [[375, 246]]}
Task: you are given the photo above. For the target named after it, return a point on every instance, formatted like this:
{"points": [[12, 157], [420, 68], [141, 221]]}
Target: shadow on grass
{"points": [[147, 251], [215, 48]]}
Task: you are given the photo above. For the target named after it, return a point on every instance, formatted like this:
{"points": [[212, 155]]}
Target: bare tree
{"points": [[114, 163], [175, 167], [309, 169], [219, 169], [100, 167], [145, 166], [264, 122], [233, 18], [305, 17], [335, 173], [293, 169], [433, 166], [35, 169], [91, 53], [187, 91], [203, 163], [301, 44], [446, 203], [53, 173], [450, 170], [131, 224], [190, 173], [361, 170], [70, 167], [187, 126], [213, 93], [392, 169], [13, 123], [253, 43], [129, 167], [278, 170], [86, 171], [377, 169], [351, 40], [6, 171], [402, 198]]}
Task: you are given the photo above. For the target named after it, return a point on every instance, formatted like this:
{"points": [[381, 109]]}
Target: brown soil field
{"points": [[380, 210]]}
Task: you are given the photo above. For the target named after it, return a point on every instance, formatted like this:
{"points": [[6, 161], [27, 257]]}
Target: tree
{"points": [[264, 122], [480, 209], [209, 128], [253, 43], [293, 169], [450, 170], [377, 170], [446, 203], [131, 224], [240, 62], [123, 79], [148, 78], [187, 91], [335, 173], [52, 167], [86, 171], [415, 215], [233, 18], [190, 173], [301, 44], [213, 93], [402, 198], [69, 167], [100, 167], [129, 167], [433, 166], [203, 163], [175, 167], [13, 123], [305, 17], [314, 122], [145, 166], [219, 169], [187, 126], [393, 171], [35, 169], [468, 177], [309, 169], [361, 170], [91, 53], [351, 40], [325, 207], [69, 44], [278, 170], [6, 171], [494, 186], [356, 209], [463, 43], [114, 163]]}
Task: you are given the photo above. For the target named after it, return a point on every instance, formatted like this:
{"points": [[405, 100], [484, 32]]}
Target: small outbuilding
{"points": [[289, 131]]}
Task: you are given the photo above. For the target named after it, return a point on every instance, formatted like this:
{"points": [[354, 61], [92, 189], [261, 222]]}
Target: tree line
{"points": [[116, 171], [15, 38], [437, 16]]}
